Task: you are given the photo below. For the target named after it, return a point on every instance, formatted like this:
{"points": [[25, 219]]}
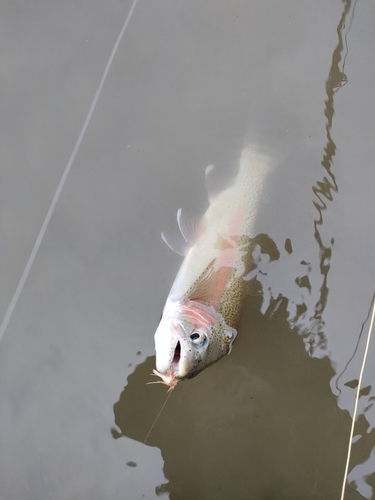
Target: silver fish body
{"points": [[203, 309]]}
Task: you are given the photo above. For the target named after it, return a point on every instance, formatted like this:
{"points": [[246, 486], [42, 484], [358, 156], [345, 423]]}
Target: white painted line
{"points": [[39, 239]]}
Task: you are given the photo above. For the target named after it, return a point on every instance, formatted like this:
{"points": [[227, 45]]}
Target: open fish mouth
{"points": [[169, 377], [169, 351], [176, 358]]}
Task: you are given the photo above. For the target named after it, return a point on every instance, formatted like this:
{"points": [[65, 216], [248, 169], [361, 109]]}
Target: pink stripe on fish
{"points": [[228, 256]]}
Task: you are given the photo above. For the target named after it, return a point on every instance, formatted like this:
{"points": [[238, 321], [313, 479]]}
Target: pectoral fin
{"points": [[191, 226], [210, 285], [175, 241]]}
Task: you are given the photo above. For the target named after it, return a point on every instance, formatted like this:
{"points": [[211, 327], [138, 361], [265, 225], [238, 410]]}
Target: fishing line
{"points": [[43, 229], [356, 347], [144, 442], [356, 401], [157, 417]]}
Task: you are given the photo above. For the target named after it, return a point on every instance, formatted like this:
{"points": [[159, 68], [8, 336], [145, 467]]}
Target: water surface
{"points": [[190, 82]]}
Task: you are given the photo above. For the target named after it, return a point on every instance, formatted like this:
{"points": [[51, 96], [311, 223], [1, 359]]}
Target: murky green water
{"points": [[189, 82]]}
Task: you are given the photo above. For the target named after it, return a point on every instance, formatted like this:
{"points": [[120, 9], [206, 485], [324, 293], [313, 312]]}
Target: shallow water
{"points": [[190, 84]]}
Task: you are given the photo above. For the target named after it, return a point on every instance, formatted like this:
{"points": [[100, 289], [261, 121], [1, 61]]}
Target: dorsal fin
{"points": [[191, 226], [175, 241]]}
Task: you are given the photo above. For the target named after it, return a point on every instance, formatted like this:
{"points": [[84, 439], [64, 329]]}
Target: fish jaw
{"points": [[171, 350], [165, 346], [180, 357]]}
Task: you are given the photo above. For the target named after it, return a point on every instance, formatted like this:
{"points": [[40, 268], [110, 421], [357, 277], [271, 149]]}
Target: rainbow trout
{"points": [[203, 309]]}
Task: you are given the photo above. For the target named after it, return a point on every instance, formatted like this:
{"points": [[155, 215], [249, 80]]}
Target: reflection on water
{"points": [[310, 322], [263, 423], [242, 407], [336, 79], [325, 187], [236, 428], [363, 432]]}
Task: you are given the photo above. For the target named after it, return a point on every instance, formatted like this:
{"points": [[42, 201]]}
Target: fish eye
{"points": [[197, 337]]}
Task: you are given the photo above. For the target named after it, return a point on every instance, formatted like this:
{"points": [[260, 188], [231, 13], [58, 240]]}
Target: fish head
{"points": [[190, 337]]}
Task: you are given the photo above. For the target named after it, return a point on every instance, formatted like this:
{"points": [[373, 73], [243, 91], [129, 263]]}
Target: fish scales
{"points": [[203, 309]]}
